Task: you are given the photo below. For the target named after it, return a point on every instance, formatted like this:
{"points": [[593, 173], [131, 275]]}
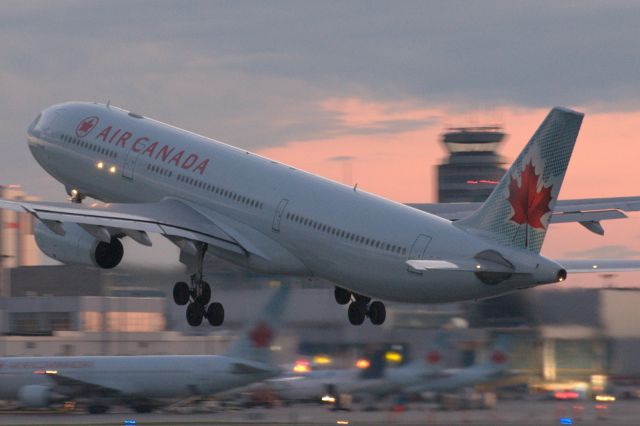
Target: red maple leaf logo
{"points": [[433, 357], [528, 204], [261, 335], [86, 125], [498, 357]]}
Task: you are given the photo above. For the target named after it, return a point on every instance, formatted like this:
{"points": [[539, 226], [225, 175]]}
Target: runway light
{"points": [[342, 422], [605, 398], [564, 395], [362, 363], [51, 372], [328, 398], [595, 266], [100, 165], [130, 422], [112, 169], [566, 421], [322, 359], [301, 366], [393, 356]]}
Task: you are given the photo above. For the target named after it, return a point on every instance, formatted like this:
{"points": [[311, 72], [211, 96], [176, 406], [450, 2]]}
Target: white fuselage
{"points": [[355, 239], [134, 376]]}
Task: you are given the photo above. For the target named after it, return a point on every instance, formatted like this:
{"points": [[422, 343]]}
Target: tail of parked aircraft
{"points": [[497, 356], [434, 359], [255, 342], [518, 210]]}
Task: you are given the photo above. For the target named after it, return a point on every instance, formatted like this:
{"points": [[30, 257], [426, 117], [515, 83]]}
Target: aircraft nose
{"points": [[33, 125]]}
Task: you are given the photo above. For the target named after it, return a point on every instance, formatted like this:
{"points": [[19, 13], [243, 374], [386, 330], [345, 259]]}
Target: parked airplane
{"points": [[374, 381], [211, 198], [494, 367], [141, 381]]}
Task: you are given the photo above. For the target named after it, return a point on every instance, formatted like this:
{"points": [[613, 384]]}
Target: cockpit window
{"points": [[35, 121]]}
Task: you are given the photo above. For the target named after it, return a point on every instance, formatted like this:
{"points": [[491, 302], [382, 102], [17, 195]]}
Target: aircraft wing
{"points": [[588, 212], [170, 217], [79, 388]]}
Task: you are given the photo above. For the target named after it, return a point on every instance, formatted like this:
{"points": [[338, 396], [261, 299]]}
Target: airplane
{"points": [[494, 367], [142, 382], [373, 382], [209, 198]]}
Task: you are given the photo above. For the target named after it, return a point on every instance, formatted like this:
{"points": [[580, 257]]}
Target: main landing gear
{"points": [[197, 296], [361, 307]]}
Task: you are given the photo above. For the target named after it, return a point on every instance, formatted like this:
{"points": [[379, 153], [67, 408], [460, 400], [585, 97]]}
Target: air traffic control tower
{"points": [[473, 167]]}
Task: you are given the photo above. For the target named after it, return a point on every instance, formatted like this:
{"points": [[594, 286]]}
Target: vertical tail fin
{"points": [[434, 359], [255, 342], [497, 356], [518, 210]]}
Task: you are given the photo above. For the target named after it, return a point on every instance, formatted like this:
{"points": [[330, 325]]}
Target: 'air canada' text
{"points": [[156, 150]]}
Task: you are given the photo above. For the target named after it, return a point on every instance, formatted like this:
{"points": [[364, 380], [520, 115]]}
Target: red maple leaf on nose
{"points": [[86, 125], [261, 335], [529, 204]]}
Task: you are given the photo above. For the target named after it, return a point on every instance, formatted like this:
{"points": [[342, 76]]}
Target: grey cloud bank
{"points": [[254, 73]]}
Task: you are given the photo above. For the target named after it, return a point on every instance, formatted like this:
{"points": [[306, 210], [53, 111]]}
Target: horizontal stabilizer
{"points": [[599, 265]]}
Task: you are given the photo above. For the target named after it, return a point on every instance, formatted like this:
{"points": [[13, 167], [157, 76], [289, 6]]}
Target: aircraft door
{"points": [[130, 160], [419, 248], [278, 216]]}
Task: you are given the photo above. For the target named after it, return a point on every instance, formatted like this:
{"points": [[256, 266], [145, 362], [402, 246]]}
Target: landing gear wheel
{"points": [[215, 314], [377, 313], [181, 293], [357, 313], [205, 294], [342, 295], [195, 312]]}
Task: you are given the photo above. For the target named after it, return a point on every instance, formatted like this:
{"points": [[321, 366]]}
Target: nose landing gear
{"points": [[361, 307], [197, 296]]}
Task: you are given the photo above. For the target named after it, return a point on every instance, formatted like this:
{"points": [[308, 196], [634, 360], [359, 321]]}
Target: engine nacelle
{"points": [[35, 396], [78, 247]]}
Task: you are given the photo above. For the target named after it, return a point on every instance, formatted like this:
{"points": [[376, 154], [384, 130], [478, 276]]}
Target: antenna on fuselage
{"points": [[355, 187], [108, 103]]}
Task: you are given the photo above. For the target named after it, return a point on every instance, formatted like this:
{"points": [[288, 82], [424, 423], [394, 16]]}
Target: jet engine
{"points": [[35, 396], [77, 246]]}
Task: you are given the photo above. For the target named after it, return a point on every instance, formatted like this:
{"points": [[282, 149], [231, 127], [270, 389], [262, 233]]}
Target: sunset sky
{"points": [[356, 91]]}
